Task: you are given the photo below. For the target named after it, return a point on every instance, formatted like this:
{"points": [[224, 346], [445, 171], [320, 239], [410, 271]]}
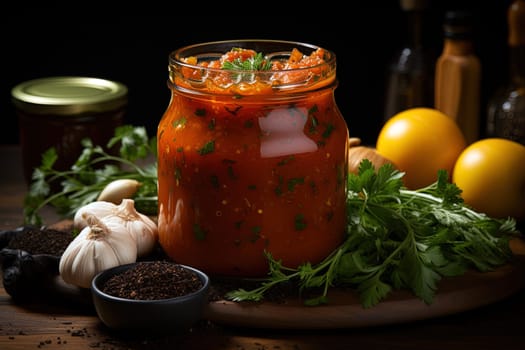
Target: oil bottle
{"points": [[458, 74], [410, 76]]}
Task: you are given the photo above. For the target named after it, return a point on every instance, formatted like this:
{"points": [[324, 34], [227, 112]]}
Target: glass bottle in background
{"points": [[506, 109], [458, 74], [410, 77]]}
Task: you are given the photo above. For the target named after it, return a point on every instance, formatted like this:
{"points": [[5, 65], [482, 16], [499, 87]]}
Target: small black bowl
{"points": [[151, 316]]}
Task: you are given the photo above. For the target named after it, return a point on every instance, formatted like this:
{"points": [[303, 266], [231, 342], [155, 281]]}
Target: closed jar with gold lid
{"points": [[61, 111]]}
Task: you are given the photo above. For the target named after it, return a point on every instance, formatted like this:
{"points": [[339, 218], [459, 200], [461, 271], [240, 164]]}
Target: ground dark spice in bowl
{"points": [[152, 280]]}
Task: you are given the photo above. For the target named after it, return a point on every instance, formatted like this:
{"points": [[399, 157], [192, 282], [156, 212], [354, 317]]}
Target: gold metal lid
{"points": [[69, 95]]}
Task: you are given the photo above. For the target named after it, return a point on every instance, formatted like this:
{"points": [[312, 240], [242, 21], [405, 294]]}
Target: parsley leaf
{"points": [[255, 63], [92, 171], [399, 239]]}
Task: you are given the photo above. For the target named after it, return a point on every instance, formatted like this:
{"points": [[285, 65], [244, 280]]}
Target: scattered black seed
{"points": [[78, 333]]}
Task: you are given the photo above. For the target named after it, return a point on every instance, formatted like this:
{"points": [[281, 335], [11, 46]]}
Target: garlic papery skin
{"points": [[141, 227], [99, 246], [356, 154], [100, 209]]}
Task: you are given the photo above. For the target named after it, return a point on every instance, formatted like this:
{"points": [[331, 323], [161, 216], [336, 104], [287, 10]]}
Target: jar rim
{"points": [[239, 80]]}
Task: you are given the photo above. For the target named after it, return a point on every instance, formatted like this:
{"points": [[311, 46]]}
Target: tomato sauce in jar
{"points": [[252, 157]]}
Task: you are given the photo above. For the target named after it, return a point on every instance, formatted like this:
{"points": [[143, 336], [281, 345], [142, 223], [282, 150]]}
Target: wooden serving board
{"points": [[454, 295]]}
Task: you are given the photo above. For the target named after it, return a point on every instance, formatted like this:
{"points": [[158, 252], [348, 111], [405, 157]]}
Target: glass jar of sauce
{"points": [[61, 111], [252, 157]]}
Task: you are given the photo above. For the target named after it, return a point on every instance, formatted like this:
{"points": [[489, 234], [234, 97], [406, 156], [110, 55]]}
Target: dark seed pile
{"points": [[42, 241], [152, 281], [162, 280]]}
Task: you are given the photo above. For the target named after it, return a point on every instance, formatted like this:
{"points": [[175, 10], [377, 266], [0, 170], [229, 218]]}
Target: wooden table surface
{"points": [[57, 326]]}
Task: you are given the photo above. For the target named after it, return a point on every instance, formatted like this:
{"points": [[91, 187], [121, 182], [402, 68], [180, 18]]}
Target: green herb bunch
{"points": [[93, 170], [398, 239]]}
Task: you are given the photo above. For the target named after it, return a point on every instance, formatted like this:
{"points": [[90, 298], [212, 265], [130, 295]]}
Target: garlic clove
{"points": [[98, 208], [354, 141], [140, 226], [117, 190]]}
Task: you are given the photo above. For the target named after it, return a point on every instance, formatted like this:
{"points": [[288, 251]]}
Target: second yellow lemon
{"points": [[421, 141], [491, 175]]}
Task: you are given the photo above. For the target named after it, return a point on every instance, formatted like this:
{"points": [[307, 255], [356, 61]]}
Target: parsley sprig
{"points": [[249, 66], [255, 63], [92, 171], [398, 239]]}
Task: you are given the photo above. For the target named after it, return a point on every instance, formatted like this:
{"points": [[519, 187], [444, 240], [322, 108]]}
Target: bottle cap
{"points": [[414, 5], [458, 24], [69, 95]]}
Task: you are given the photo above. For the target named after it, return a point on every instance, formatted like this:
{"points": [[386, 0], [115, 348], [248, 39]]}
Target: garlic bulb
{"points": [[143, 229], [99, 246], [100, 209]]}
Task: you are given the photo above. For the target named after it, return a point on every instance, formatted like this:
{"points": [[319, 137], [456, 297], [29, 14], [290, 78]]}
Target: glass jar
{"points": [[251, 161], [61, 111]]}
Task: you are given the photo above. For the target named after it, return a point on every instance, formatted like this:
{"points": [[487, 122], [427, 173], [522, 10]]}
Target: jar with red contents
{"points": [[61, 111], [252, 157]]}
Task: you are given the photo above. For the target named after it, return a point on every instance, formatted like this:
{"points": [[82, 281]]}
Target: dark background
{"points": [[134, 50]]}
